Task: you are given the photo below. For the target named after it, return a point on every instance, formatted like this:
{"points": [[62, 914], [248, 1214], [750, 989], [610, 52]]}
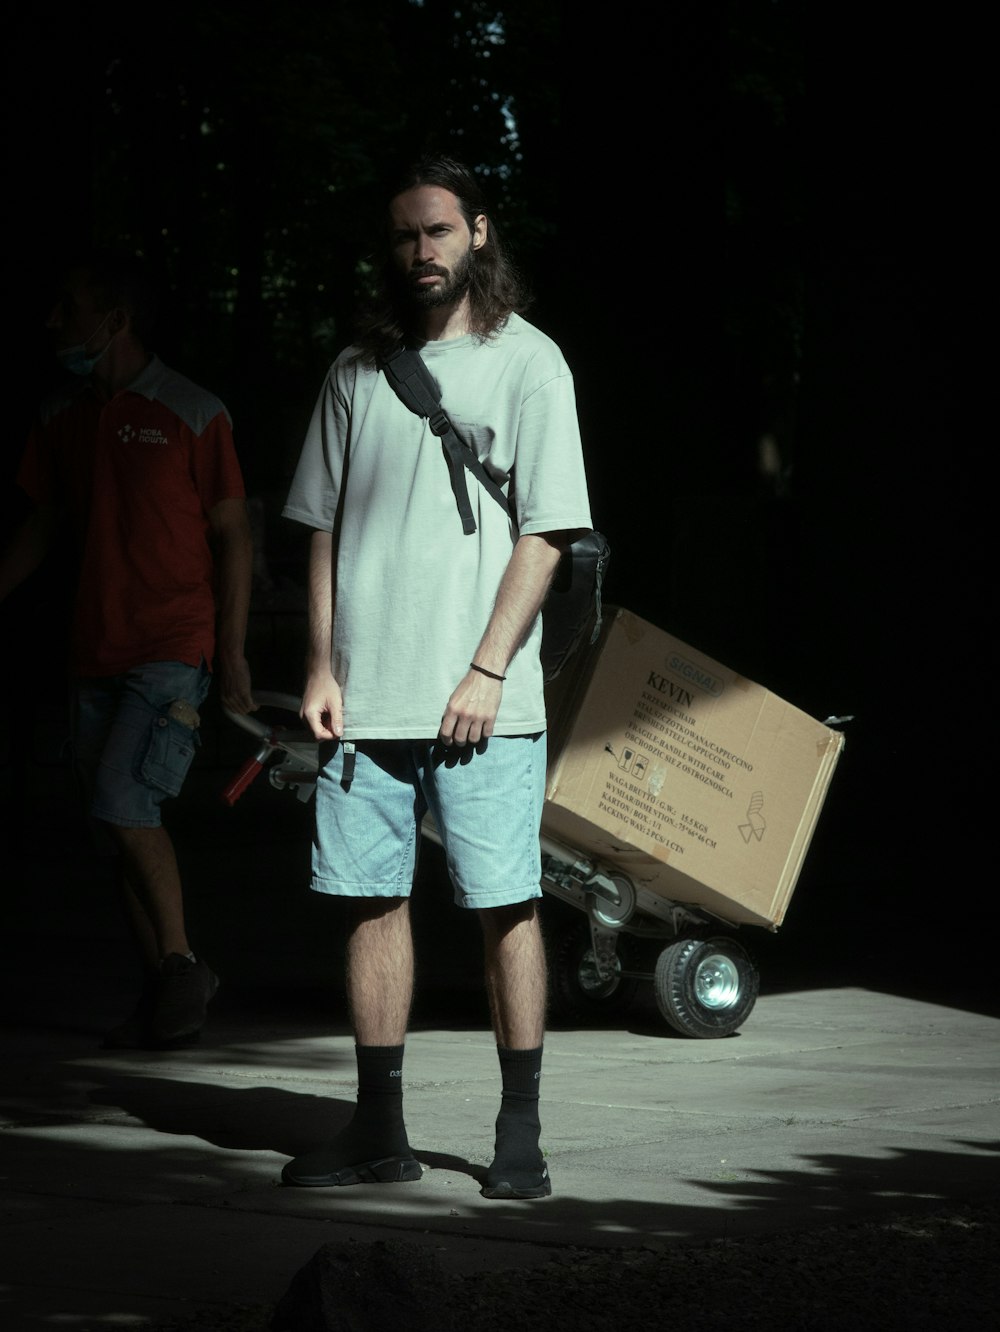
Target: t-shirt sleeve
{"points": [[315, 489], [550, 481], [216, 467], [35, 473]]}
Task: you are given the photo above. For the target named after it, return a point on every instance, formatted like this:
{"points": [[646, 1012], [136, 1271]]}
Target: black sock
{"points": [[377, 1127], [518, 1157]]}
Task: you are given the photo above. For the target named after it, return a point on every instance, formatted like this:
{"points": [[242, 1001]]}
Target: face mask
{"points": [[76, 360]]}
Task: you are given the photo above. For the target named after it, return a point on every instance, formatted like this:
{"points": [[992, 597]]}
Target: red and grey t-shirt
{"points": [[137, 477]]}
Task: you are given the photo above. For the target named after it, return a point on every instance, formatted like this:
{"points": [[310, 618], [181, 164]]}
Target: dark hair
{"points": [[497, 289], [121, 278]]}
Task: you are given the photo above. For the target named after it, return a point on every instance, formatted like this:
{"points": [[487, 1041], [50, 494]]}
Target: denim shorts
{"points": [[486, 802], [131, 754]]}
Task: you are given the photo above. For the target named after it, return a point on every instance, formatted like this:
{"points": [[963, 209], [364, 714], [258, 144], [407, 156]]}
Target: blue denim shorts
{"points": [[485, 801], [131, 754]]}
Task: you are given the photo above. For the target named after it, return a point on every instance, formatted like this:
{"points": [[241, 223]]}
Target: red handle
{"points": [[241, 781]]}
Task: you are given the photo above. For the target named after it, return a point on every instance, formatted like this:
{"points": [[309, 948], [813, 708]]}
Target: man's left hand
{"points": [[234, 686], [471, 711]]}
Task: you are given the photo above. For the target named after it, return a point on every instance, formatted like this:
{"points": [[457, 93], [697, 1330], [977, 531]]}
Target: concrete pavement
{"points": [[139, 1187]]}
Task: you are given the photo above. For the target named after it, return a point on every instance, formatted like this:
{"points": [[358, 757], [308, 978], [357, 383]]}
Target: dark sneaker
{"points": [[325, 1170], [136, 1032], [184, 991], [517, 1184]]}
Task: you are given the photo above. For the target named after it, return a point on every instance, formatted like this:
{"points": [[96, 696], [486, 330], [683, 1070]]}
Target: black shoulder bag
{"points": [[573, 603]]}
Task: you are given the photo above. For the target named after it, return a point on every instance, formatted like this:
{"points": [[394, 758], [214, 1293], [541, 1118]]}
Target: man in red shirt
{"points": [[139, 464]]}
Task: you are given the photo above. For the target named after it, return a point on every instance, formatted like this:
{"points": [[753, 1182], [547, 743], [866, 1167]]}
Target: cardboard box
{"points": [[697, 783]]}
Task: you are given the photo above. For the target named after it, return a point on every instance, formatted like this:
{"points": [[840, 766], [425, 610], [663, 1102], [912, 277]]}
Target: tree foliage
{"points": [[242, 149]]}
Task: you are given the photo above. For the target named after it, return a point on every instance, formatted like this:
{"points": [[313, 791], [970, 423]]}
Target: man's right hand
{"points": [[323, 706]]}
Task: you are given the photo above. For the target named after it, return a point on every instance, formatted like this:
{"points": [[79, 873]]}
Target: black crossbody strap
{"points": [[413, 383]]}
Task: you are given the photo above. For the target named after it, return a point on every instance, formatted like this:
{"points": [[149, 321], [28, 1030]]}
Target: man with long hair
{"points": [[423, 681]]}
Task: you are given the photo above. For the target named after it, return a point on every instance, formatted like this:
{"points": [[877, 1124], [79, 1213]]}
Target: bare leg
{"points": [[516, 985], [380, 970], [140, 925], [153, 884], [373, 1148], [174, 1002], [516, 980]]}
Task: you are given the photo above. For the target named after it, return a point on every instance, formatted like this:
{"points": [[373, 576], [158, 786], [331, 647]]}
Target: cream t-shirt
{"points": [[413, 593]]}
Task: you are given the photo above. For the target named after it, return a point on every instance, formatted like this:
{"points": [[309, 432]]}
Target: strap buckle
{"points": [[439, 423]]}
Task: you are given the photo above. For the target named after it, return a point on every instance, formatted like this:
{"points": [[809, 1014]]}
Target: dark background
{"points": [[757, 233]]}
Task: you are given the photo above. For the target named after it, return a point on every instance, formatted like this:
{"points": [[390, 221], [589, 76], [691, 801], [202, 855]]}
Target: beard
{"points": [[454, 283]]}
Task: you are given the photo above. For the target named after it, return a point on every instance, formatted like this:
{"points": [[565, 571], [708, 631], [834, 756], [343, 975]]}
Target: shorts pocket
{"points": [[169, 754]]}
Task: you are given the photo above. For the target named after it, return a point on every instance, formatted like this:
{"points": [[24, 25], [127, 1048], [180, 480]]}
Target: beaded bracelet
{"points": [[483, 671]]}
